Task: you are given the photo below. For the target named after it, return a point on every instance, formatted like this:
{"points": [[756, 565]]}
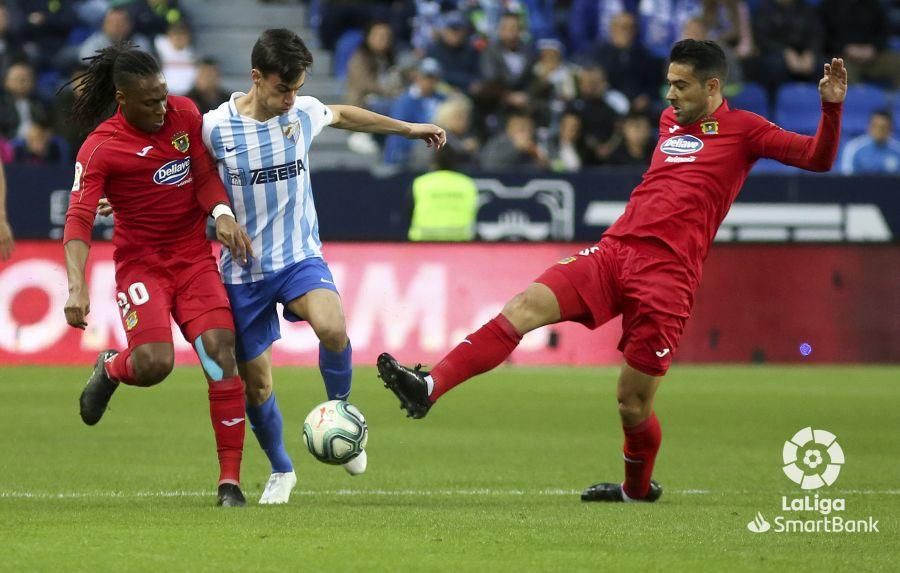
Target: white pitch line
{"points": [[397, 493]]}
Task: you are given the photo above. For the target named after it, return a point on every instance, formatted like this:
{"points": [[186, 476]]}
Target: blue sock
{"points": [[266, 422], [337, 371]]}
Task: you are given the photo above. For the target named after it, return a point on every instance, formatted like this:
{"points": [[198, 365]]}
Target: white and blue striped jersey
{"points": [[265, 168]]}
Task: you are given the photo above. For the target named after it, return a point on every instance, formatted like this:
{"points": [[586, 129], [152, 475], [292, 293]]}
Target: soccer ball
{"points": [[335, 432]]}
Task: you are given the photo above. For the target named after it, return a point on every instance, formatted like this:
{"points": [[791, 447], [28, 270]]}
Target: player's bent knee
{"points": [[334, 338], [633, 411], [532, 309], [216, 355], [257, 390], [151, 369]]}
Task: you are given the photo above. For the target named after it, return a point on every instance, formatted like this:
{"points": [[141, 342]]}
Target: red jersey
{"points": [[697, 171], [162, 186]]}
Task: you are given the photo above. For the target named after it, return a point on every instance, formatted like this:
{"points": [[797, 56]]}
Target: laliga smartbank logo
{"points": [[805, 458], [812, 459]]}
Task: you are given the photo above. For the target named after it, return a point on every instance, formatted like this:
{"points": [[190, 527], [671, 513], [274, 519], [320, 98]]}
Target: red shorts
{"points": [[641, 280], [157, 286]]}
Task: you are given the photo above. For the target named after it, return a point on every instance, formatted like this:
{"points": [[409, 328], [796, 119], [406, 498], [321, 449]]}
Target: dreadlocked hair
{"points": [[108, 70]]}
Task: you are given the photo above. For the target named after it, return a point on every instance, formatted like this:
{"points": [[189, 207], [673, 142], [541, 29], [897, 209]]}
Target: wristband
{"points": [[222, 209]]}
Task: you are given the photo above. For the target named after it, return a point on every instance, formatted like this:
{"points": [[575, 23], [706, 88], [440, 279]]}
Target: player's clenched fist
{"points": [[233, 236], [78, 306]]}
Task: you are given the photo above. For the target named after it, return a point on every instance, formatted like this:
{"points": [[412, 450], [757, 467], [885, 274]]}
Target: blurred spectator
{"points": [[874, 152], [537, 16], [660, 23], [372, 80], [10, 42], [62, 112], [208, 92], [599, 110], [177, 58], [455, 116], [454, 51], [117, 26], [417, 105], [857, 30], [368, 72], [91, 12], [789, 36], [567, 151], [589, 21], [631, 69], [506, 66], [338, 16], [637, 142], [152, 18], [17, 102], [554, 81], [695, 29], [425, 24], [728, 22], [445, 202], [40, 146], [515, 147], [46, 28]]}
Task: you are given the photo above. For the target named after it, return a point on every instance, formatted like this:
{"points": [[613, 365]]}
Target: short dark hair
{"points": [[446, 158], [885, 113], [282, 52], [706, 57]]}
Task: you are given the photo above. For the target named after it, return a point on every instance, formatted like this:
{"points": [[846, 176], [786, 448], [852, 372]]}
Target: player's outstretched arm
{"points": [[357, 119], [833, 85], [78, 305], [816, 153]]}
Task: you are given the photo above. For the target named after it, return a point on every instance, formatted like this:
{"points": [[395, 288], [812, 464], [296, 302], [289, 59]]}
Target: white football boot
{"points": [[278, 488], [357, 465]]}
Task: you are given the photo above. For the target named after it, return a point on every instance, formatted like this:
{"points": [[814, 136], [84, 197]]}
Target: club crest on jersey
{"points": [[173, 172], [236, 176], [291, 131], [710, 127], [181, 142], [681, 145], [131, 320]]}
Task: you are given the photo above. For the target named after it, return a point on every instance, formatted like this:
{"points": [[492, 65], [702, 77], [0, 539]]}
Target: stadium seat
{"points": [[79, 34], [862, 100], [344, 49], [797, 107], [752, 97], [772, 167]]}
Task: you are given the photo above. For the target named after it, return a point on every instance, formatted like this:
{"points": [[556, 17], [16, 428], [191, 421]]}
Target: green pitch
{"points": [[488, 482]]}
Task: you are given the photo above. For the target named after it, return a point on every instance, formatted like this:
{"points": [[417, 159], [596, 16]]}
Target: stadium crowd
{"points": [[545, 84], [42, 46], [567, 84]]}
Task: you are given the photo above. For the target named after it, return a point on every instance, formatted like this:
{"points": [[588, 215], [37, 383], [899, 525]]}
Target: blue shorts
{"points": [[253, 304]]}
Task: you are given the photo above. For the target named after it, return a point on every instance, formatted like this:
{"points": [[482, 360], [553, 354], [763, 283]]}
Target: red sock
{"points": [[226, 410], [481, 351], [120, 368], [641, 444]]}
